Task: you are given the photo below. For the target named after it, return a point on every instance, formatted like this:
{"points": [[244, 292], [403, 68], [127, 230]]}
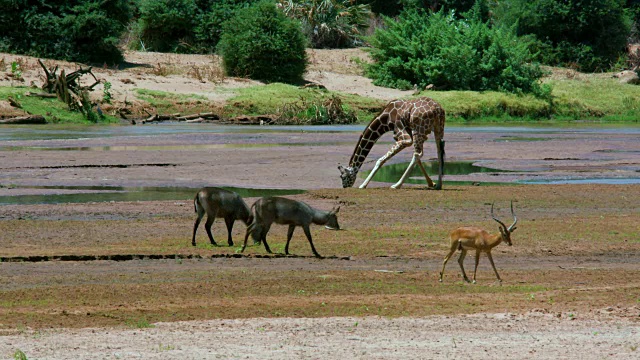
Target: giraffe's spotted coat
{"points": [[411, 122]]}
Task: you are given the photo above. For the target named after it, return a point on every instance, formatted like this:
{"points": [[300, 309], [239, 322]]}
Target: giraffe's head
{"points": [[348, 175]]}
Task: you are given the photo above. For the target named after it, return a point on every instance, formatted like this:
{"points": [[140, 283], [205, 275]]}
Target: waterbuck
{"points": [[219, 203], [268, 210]]}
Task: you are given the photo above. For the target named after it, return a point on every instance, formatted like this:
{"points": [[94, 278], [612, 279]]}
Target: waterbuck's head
{"points": [[504, 230], [332, 219], [348, 176]]}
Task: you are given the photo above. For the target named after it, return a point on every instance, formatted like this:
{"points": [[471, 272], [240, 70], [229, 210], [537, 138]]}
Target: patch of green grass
{"points": [[53, 110], [271, 98], [139, 323]]}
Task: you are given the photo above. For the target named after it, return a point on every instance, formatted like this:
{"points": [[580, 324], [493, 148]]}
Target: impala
{"points": [[475, 238]]}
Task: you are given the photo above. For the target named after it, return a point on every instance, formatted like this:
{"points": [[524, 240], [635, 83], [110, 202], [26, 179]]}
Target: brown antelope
{"points": [[475, 238], [279, 210], [216, 202]]}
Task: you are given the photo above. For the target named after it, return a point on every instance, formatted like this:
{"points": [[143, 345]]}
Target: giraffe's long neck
{"points": [[368, 138]]}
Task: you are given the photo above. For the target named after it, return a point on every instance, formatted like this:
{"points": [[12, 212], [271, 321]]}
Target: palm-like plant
{"points": [[329, 23]]}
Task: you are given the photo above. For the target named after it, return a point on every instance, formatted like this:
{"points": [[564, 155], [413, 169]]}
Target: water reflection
{"points": [[392, 173]]}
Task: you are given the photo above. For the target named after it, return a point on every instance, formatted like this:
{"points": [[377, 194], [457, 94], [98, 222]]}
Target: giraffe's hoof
{"points": [[396, 186]]}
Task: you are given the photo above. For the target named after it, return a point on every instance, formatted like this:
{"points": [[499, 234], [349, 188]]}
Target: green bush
{"points": [[80, 30], [212, 14], [167, 25], [262, 43], [422, 49], [188, 26], [589, 35]]}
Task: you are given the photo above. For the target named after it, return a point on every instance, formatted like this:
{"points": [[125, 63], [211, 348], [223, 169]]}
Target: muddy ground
{"points": [[570, 281]]}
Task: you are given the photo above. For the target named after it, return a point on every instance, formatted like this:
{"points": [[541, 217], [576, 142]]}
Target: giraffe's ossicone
{"points": [[411, 122]]}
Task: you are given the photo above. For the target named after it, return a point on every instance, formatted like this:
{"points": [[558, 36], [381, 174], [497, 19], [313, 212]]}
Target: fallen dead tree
{"points": [[29, 119], [67, 87], [209, 117]]}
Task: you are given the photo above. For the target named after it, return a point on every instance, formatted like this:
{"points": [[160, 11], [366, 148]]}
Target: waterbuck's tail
{"points": [[196, 203]]}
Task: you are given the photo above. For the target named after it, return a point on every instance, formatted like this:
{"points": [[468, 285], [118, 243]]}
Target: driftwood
{"points": [[29, 119], [67, 88], [209, 117], [41, 94]]}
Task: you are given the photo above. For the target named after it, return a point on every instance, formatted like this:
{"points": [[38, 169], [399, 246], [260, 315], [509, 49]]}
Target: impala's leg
{"points": [[461, 262], [289, 235], [403, 140], [308, 233], [493, 266], [207, 226], [446, 258], [229, 220], [476, 267], [200, 211]]}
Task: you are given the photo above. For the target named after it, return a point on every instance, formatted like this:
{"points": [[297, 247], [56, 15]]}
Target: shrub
{"points": [[80, 30], [262, 43], [329, 23], [422, 49], [212, 14], [589, 35], [167, 25]]}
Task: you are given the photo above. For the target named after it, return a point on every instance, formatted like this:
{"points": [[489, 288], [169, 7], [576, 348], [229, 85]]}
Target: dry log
{"points": [[41, 94], [29, 119], [195, 116]]}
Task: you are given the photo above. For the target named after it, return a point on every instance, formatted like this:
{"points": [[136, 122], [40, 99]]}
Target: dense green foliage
{"points": [[77, 30], [193, 26], [395, 7], [589, 35], [262, 43], [166, 24], [420, 49], [329, 23]]}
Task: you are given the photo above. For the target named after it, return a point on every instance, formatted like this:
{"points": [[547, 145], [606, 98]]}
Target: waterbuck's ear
{"points": [[514, 229], [340, 168], [335, 210]]}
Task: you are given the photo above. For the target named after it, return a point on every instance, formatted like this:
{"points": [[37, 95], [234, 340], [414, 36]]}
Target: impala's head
{"points": [[332, 222], [348, 176], [504, 230]]}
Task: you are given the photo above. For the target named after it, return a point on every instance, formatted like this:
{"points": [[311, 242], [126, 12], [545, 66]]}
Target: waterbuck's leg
{"points": [[264, 237], [289, 236], [308, 233], [200, 212], [476, 268], [207, 226], [494, 266], [446, 258], [251, 228], [229, 220], [461, 262]]}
